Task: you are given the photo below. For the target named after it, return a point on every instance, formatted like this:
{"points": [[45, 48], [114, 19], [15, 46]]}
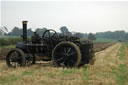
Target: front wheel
{"points": [[66, 54], [15, 58]]}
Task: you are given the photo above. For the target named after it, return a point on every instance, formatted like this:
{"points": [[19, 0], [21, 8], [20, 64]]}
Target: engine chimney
{"points": [[24, 30]]}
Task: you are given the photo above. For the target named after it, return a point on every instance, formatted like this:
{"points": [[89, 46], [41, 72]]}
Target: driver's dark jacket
{"points": [[36, 39]]}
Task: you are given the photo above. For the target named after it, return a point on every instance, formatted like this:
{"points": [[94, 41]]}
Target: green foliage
{"points": [[64, 30], [9, 41], [122, 71], [12, 78], [105, 40], [121, 74], [65, 72], [118, 35], [123, 68], [3, 30], [27, 73], [127, 45], [41, 30], [85, 77], [122, 49], [79, 35], [16, 31], [43, 81], [4, 80], [91, 36], [8, 46], [85, 74], [52, 75]]}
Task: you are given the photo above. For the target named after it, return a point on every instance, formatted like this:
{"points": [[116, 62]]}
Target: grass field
{"points": [[8, 46], [110, 68], [105, 40]]}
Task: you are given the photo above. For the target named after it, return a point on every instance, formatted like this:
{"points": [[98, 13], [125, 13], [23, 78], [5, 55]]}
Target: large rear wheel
{"points": [[66, 54]]}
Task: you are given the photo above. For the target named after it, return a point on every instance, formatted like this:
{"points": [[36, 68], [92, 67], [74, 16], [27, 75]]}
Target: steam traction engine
{"points": [[66, 51]]}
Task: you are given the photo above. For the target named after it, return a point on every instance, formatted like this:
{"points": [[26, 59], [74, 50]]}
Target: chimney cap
{"points": [[24, 22]]}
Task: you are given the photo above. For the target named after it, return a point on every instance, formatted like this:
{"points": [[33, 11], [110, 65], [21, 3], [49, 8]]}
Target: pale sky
{"points": [[79, 16]]}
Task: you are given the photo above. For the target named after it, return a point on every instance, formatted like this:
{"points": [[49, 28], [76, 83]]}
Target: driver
{"points": [[36, 38]]}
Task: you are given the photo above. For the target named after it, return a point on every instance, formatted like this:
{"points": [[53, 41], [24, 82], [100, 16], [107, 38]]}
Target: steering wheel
{"points": [[50, 34]]}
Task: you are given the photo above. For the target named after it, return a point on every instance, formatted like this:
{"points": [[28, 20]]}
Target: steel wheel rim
{"points": [[66, 55], [14, 59]]}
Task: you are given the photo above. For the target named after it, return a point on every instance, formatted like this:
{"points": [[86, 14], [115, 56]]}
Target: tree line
{"points": [[117, 35]]}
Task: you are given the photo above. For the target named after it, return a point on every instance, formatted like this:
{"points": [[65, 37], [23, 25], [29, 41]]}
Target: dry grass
{"points": [[101, 73]]}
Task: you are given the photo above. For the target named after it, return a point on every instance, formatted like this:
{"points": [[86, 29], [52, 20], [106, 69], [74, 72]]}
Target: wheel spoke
{"points": [[59, 59], [69, 49], [72, 53], [65, 50], [13, 54]]}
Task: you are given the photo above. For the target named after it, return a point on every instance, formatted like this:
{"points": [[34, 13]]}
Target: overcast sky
{"points": [[79, 16]]}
